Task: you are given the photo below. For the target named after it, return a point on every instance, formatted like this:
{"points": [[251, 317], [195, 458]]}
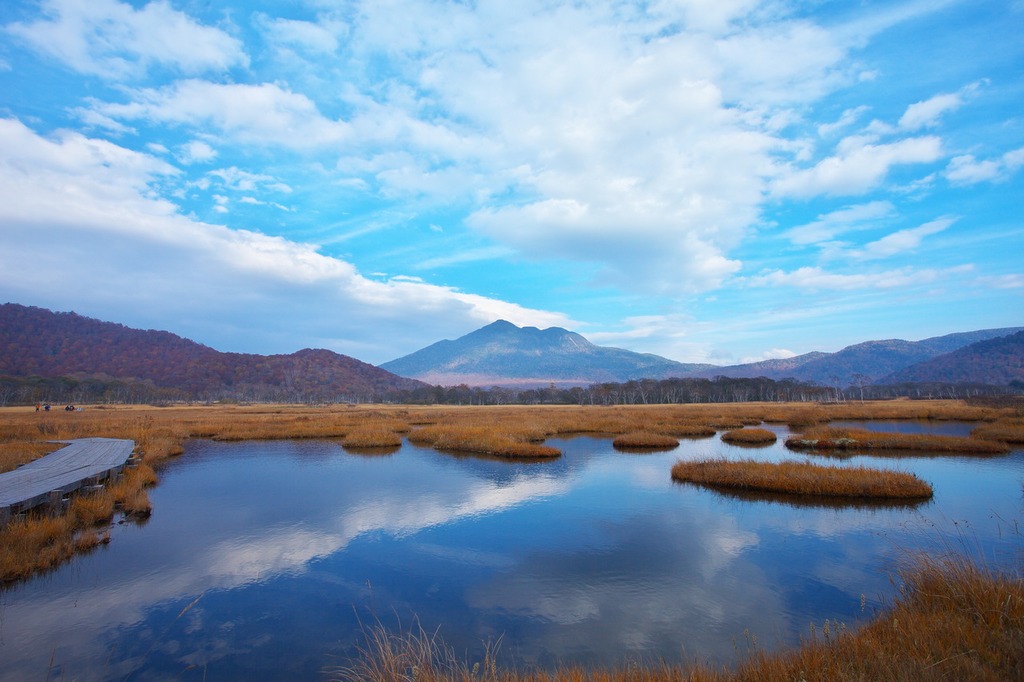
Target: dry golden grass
{"points": [[484, 439], [371, 436], [641, 440], [951, 620], [13, 455], [92, 509], [750, 437], [1008, 430], [802, 478], [825, 438]]}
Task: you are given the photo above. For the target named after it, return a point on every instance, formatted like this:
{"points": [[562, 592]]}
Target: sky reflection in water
{"points": [[263, 559]]}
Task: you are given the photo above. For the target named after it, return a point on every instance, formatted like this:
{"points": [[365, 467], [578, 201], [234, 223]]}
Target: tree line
{"points": [[85, 390]]}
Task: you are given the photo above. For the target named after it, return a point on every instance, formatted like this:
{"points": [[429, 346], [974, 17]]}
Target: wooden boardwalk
{"points": [[86, 461]]}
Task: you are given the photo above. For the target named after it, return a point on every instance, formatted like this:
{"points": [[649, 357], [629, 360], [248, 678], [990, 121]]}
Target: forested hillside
{"points": [[35, 342]]}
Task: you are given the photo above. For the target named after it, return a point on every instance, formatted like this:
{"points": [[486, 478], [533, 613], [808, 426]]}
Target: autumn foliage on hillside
{"points": [[37, 342]]}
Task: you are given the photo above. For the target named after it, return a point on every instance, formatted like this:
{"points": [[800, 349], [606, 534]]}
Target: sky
{"points": [[716, 181]]}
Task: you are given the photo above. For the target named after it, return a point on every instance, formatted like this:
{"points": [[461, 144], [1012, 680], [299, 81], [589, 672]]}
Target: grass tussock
{"points": [[825, 438], [1009, 430], [750, 437], [371, 436], [506, 441], [802, 478], [642, 440], [951, 620]]}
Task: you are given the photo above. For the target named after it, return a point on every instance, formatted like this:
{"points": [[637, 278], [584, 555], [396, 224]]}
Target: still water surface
{"points": [[265, 560]]}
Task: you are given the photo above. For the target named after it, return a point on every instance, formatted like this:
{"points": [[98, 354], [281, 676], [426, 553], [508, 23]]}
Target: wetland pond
{"points": [[269, 560]]}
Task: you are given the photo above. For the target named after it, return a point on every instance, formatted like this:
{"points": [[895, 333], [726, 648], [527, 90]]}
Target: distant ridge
{"points": [[998, 361], [38, 342], [502, 354], [863, 363]]}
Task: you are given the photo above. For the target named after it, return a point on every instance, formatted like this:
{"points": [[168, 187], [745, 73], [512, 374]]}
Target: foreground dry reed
{"points": [[802, 478], [951, 620]]}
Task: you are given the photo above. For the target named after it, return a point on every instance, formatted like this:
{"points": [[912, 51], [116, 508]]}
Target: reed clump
{"points": [[750, 437], [1009, 430], [826, 438], [642, 440], [802, 478], [372, 436], [484, 440]]}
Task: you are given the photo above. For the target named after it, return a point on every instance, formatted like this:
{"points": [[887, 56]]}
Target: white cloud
{"points": [[828, 226], [926, 114], [902, 241], [1011, 281], [848, 118], [464, 256], [639, 140], [235, 178], [968, 170], [115, 40], [714, 16], [816, 279], [771, 354], [83, 208], [1014, 159], [266, 114], [670, 335], [196, 151], [859, 166], [307, 35]]}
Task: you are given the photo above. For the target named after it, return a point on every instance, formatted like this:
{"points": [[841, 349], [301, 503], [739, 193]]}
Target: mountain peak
{"points": [[503, 354]]}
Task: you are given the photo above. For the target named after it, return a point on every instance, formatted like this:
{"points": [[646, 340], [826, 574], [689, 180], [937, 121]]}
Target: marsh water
{"points": [[269, 560]]}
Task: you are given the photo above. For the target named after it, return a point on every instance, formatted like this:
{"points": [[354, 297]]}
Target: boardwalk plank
{"points": [[64, 470]]}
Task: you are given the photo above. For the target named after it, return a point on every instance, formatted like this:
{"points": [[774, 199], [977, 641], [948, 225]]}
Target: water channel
{"points": [[269, 560]]}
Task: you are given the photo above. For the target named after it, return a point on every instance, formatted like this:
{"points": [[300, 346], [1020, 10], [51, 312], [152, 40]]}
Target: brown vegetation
{"points": [[750, 437], [1009, 430], [13, 455], [506, 440], [825, 438], [951, 620], [371, 436], [641, 440], [802, 478]]}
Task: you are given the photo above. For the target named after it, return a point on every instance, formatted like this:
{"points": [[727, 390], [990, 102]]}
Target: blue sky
{"points": [[710, 180]]}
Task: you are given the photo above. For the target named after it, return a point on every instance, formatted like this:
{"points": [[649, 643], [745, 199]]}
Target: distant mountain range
{"points": [[506, 355], [38, 342], [503, 354], [37, 345]]}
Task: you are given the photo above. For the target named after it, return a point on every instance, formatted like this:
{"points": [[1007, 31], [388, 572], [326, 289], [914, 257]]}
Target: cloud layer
{"points": [[659, 155]]}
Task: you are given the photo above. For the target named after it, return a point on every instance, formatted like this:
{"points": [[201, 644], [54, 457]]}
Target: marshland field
{"points": [[857, 540]]}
